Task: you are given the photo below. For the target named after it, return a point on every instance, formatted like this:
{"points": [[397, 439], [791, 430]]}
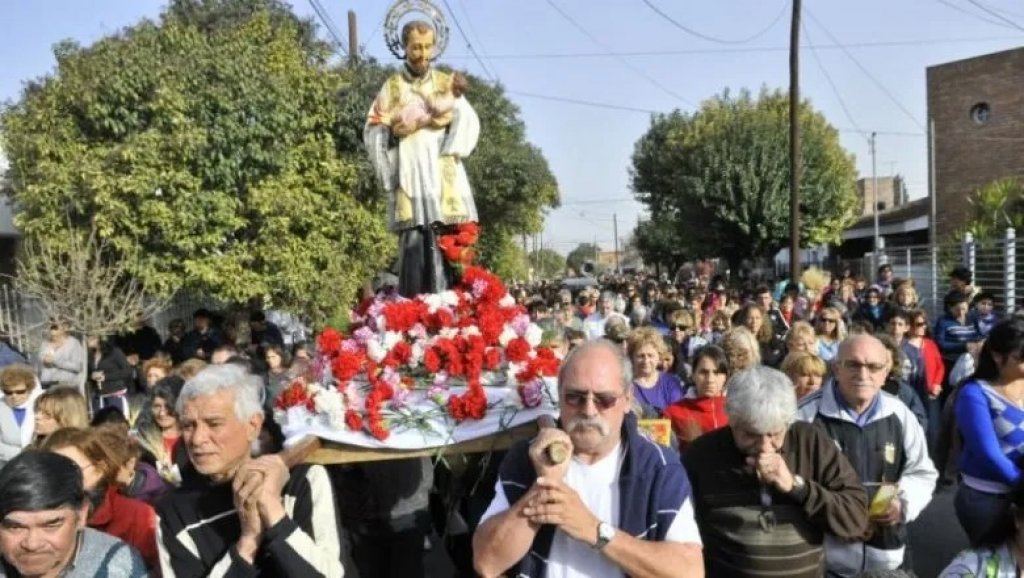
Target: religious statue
{"points": [[418, 130]]}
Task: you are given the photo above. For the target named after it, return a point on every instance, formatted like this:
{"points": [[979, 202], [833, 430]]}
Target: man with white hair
{"points": [[594, 324], [621, 505], [243, 516], [768, 490], [885, 444]]}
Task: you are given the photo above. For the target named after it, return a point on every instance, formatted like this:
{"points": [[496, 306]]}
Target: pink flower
{"points": [[362, 335], [532, 393], [520, 323]]}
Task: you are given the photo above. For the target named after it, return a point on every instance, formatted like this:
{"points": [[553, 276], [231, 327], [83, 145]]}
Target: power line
{"points": [[580, 102], [972, 14], [321, 12], [700, 35], [835, 89], [472, 30], [996, 15], [867, 72], [739, 49], [469, 45], [623, 61]]}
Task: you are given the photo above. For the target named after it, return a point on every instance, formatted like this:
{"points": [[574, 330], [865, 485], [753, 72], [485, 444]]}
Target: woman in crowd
{"points": [[954, 334], [741, 348], [653, 390], [831, 332], [999, 555], [17, 412], [802, 337], [61, 358], [845, 300], [770, 349], [703, 408], [989, 413], [896, 382], [918, 337], [102, 457], [872, 310], [109, 373], [806, 370], [57, 408], [684, 332], [155, 369], [788, 311], [905, 297], [278, 363], [159, 433]]}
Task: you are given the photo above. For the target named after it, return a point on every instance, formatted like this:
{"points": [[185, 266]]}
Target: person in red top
{"points": [[101, 455], [703, 408]]}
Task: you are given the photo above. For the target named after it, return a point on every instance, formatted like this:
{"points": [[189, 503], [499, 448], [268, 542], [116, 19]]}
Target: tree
{"points": [[995, 207], [205, 156], [660, 244], [719, 179], [547, 263], [583, 253]]}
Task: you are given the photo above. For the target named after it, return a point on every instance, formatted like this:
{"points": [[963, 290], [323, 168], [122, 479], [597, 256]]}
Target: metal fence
{"points": [[993, 264]]}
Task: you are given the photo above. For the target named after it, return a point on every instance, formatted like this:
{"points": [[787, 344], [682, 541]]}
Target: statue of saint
{"points": [[418, 130]]}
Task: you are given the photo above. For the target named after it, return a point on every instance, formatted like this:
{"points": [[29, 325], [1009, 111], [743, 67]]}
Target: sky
{"points": [[588, 74]]}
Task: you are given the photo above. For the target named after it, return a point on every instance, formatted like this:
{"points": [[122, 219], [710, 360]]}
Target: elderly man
{"points": [[885, 444], [621, 505], [43, 508], [594, 324], [243, 516], [767, 490]]}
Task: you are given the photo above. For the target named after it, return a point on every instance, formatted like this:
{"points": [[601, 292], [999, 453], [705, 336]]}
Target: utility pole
{"points": [[353, 38], [615, 231], [874, 200], [794, 144]]}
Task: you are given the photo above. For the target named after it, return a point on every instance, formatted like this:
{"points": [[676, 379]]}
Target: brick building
{"points": [[892, 193], [977, 107]]}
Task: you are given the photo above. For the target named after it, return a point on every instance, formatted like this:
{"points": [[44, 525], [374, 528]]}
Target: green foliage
{"points": [[547, 264], [205, 156], [582, 253], [502, 255], [716, 182], [995, 207]]}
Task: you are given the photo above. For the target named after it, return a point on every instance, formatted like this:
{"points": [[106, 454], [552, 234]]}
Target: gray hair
{"points": [[762, 399], [608, 296], [248, 388], [741, 337], [626, 368]]}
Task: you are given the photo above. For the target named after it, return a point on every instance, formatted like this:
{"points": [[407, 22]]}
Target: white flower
{"points": [[512, 398], [382, 323], [507, 301], [449, 298], [433, 301], [330, 403], [391, 338], [471, 330], [448, 332], [416, 355], [507, 335], [510, 373], [376, 351], [534, 334]]}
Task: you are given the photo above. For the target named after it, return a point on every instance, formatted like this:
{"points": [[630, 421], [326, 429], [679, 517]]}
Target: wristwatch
{"points": [[605, 533], [798, 484]]}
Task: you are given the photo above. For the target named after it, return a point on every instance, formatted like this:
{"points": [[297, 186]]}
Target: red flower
{"points": [[378, 430], [329, 342], [353, 420], [402, 315], [468, 234], [456, 408], [431, 360], [294, 395], [492, 358], [347, 365], [517, 350]]}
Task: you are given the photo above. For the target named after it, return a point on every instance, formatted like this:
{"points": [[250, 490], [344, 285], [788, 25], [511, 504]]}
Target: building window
{"points": [[981, 113]]}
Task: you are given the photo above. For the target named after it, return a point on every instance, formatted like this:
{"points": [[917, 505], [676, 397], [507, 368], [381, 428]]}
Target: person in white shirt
{"points": [[594, 324], [620, 506]]}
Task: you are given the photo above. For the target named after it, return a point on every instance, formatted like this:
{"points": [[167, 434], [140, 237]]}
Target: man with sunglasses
{"points": [[621, 505], [885, 444]]}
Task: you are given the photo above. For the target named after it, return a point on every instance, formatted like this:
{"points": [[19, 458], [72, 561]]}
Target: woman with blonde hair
{"points": [[741, 348], [60, 407], [653, 390], [754, 318], [831, 332], [905, 298], [806, 370], [802, 337], [155, 369]]}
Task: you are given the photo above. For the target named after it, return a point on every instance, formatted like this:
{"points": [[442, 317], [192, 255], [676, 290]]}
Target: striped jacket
{"points": [[198, 529]]}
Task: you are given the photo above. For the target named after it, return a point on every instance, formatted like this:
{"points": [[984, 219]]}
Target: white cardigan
{"points": [[13, 439]]}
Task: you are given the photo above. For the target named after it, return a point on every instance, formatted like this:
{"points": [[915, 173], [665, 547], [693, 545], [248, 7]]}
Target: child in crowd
{"points": [[983, 314]]}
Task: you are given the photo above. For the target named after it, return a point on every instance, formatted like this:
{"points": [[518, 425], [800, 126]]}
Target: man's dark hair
{"points": [[983, 296], [204, 313], [35, 480], [962, 273], [953, 299], [897, 313], [109, 414], [761, 289], [257, 316], [884, 267]]}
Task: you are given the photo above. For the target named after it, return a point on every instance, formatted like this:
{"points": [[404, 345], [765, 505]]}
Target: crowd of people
{"points": [[809, 428]]}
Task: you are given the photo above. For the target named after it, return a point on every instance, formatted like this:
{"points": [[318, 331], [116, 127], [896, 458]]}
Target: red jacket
{"points": [[131, 520], [934, 368], [693, 417]]}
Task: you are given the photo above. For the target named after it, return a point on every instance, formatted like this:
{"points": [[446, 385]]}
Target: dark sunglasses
{"points": [[579, 399], [681, 327], [828, 320]]}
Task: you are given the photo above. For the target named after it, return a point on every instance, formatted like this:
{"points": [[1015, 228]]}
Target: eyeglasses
{"points": [[919, 324], [601, 399], [854, 365], [681, 327], [828, 320]]}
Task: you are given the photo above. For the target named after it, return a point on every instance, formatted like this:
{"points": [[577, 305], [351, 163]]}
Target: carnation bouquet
{"points": [[434, 364]]}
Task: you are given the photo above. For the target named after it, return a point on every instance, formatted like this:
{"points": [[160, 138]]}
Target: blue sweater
{"points": [[953, 337], [992, 435], [652, 487]]}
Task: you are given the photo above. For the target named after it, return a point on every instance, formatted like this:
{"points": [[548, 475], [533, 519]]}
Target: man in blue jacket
{"points": [[560, 519]]}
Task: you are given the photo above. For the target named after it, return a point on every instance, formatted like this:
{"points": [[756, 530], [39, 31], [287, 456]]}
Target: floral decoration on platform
{"points": [[402, 352], [457, 246]]}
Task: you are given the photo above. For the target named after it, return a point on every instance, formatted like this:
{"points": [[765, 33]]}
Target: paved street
{"points": [[936, 536]]}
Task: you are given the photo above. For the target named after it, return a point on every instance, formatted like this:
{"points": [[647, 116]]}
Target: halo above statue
{"points": [[393, 25]]}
